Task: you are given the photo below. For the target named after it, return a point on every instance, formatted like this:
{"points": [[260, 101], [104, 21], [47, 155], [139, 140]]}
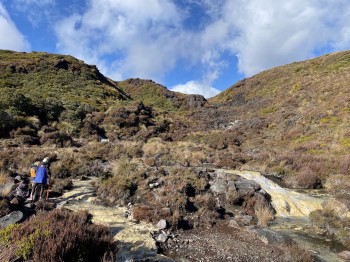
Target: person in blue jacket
{"points": [[43, 175]]}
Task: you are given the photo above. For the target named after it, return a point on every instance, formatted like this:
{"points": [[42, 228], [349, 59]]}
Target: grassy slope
{"points": [[306, 101], [305, 108], [39, 75]]}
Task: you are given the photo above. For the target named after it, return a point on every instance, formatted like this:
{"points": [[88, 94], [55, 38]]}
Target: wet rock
{"points": [[344, 255], [12, 218], [162, 224], [271, 237]]}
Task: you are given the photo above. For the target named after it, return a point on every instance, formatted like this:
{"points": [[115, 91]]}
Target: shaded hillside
{"points": [[294, 117]]}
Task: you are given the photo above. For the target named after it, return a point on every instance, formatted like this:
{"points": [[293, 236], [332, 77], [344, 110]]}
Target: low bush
{"points": [[59, 235], [123, 183]]}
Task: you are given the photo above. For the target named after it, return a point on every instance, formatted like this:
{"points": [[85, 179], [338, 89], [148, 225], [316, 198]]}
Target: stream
{"points": [[135, 241], [292, 216]]}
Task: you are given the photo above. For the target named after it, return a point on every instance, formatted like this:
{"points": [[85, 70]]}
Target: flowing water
{"points": [[134, 239], [287, 203], [292, 215]]}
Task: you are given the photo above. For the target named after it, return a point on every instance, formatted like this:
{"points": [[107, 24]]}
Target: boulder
{"points": [[246, 187], [233, 223], [10, 219], [162, 224], [344, 255], [219, 186], [271, 237]]}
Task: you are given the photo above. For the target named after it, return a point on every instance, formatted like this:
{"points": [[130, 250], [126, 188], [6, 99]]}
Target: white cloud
{"points": [[10, 37], [144, 35], [194, 87], [36, 11], [270, 33], [147, 38]]}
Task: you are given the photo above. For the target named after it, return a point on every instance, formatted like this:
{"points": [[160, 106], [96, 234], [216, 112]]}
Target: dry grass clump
{"points": [[297, 254], [4, 207], [155, 147], [338, 183], [60, 235], [3, 178], [264, 215], [124, 181], [130, 149]]}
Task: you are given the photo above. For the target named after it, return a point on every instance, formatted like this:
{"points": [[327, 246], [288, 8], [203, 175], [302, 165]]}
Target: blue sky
{"points": [[191, 46]]}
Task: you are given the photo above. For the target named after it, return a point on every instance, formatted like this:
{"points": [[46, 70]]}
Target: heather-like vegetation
{"points": [[156, 149], [60, 235]]}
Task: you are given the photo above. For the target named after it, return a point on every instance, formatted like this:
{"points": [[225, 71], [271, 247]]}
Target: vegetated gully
{"points": [[292, 215]]}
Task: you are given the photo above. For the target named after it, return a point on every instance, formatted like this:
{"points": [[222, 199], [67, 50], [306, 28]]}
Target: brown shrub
{"points": [[307, 178], [344, 165], [57, 138], [338, 183], [59, 236]]}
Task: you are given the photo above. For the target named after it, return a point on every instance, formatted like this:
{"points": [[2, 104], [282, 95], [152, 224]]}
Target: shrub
{"points": [[264, 214], [124, 181], [307, 178], [60, 235], [338, 183]]}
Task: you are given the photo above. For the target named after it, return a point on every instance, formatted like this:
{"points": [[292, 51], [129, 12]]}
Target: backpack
{"points": [[32, 171]]}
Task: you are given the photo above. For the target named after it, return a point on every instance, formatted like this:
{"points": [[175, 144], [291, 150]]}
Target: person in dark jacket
{"points": [[43, 175]]}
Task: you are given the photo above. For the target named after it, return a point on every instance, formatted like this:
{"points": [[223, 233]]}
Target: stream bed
{"points": [[292, 218]]}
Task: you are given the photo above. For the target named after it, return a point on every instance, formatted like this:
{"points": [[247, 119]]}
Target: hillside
{"points": [[175, 158], [40, 89], [295, 118], [159, 97]]}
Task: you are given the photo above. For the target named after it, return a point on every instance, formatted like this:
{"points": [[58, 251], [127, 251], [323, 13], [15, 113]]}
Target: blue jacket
{"points": [[42, 173]]}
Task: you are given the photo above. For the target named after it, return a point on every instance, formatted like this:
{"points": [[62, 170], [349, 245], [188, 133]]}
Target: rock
{"points": [[18, 178], [11, 218], [344, 255], [242, 184], [162, 237], [271, 237], [14, 201], [233, 223], [246, 187], [231, 185], [162, 224], [6, 188], [219, 186], [244, 220]]}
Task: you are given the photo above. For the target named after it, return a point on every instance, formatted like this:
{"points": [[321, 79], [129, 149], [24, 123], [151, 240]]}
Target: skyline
{"points": [[190, 46]]}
